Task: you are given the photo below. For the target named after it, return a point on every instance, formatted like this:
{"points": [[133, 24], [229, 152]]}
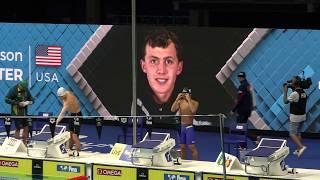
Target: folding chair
{"points": [[237, 136]]}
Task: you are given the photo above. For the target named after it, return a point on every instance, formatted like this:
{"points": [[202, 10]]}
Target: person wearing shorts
{"points": [[298, 102], [295, 128], [187, 135], [71, 104], [74, 123], [187, 108]]}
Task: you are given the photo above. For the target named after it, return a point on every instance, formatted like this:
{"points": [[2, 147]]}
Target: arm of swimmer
{"points": [[193, 104], [175, 106], [61, 115]]}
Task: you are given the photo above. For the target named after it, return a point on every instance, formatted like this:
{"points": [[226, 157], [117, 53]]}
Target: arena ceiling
{"points": [[260, 13]]}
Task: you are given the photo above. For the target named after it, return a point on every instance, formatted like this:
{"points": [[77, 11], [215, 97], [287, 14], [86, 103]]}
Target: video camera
{"points": [[304, 83]]}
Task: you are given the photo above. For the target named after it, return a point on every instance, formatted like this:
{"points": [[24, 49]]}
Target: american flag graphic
{"points": [[48, 55]]}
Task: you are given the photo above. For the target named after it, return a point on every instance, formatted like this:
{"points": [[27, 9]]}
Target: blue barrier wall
{"points": [[21, 40], [282, 54]]}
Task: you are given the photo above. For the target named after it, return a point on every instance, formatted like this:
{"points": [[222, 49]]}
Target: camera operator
{"points": [[186, 107], [298, 101]]}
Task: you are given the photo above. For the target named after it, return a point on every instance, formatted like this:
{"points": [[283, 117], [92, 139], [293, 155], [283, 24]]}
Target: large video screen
{"points": [[211, 58], [96, 64], [203, 51]]}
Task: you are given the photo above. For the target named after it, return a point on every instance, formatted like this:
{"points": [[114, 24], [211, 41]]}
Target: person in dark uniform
{"points": [[244, 105], [20, 98], [71, 104], [162, 64], [298, 102]]}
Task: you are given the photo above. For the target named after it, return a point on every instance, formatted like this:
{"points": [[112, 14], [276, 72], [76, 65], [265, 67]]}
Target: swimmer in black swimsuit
{"points": [[70, 104]]}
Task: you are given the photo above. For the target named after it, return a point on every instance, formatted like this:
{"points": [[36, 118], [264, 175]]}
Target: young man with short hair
{"points": [[187, 108], [71, 104]]}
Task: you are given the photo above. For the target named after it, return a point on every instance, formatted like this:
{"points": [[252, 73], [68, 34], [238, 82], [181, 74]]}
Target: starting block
{"points": [[44, 145], [268, 158], [154, 150], [12, 145]]}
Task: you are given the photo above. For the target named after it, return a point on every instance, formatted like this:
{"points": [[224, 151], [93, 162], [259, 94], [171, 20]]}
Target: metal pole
{"points": [[134, 74], [221, 120]]}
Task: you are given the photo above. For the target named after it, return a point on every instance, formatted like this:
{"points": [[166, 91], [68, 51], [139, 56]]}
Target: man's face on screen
{"points": [[162, 67]]}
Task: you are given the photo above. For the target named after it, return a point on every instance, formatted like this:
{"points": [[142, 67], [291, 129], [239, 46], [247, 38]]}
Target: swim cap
{"points": [[61, 91], [186, 90]]}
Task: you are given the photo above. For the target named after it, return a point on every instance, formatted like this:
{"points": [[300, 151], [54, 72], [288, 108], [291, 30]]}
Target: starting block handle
{"points": [[7, 124], [52, 125]]}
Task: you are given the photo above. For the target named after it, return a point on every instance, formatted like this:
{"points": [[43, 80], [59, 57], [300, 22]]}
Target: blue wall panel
{"points": [[21, 37], [282, 54]]}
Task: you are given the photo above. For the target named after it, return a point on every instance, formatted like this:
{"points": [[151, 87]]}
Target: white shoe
{"points": [[301, 151], [75, 153], [295, 152]]}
